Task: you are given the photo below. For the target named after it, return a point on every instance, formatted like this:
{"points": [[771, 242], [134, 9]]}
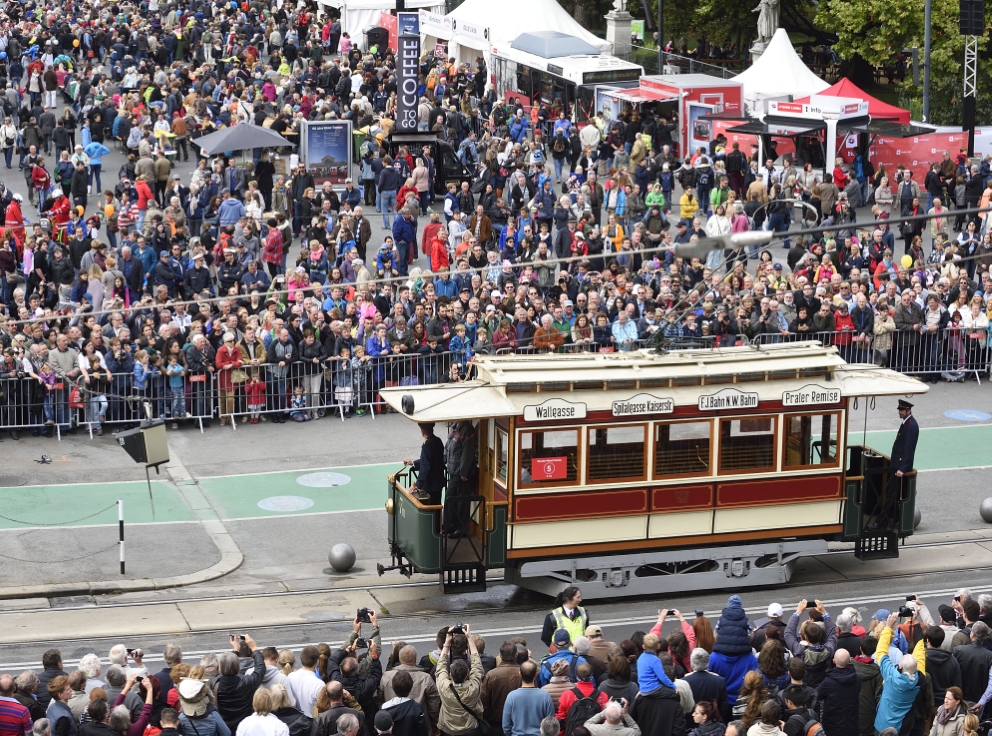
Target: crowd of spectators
{"points": [[805, 672], [251, 292]]}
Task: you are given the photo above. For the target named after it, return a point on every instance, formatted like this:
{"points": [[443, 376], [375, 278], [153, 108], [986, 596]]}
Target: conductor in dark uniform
{"points": [[904, 447], [900, 463], [430, 467]]}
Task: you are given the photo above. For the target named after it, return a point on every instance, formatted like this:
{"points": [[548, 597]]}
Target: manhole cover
{"points": [[285, 503], [323, 480], [10, 481]]}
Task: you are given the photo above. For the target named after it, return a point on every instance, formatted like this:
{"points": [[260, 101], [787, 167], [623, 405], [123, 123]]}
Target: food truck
{"points": [[687, 98]]}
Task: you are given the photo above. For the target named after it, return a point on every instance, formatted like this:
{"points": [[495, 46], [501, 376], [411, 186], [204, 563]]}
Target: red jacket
{"points": [[842, 320], [144, 194], [226, 357], [40, 178], [439, 255], [568, 699], [60, 210]]}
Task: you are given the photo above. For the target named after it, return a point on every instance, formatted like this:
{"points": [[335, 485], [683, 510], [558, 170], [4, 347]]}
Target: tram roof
{"points": [[507, 383]]}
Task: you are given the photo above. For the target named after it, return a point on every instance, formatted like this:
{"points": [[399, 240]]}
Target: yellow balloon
{"points": [[907, 261], [75, 43]]}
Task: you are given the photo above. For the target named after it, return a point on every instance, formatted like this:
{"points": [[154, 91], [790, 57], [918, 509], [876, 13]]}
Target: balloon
{"points": [[75, 43], [907, 261], [109, 210]]}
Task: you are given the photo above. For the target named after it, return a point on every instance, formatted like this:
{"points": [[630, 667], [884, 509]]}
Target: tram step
{"points": [[464, 579], [877, 545]]}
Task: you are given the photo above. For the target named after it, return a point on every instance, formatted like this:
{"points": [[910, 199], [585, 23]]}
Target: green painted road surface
{"points": [[941, 448], [70, 505], [336, 490], [237, 496], [232, 497]]}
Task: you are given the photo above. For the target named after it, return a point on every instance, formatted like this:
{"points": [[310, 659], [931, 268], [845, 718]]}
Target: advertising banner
{"points": [[327, 150], [407, 72]]}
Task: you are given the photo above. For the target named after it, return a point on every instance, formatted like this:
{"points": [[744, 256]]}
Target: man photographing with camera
{"points": [[460, 686], [360, 679]]}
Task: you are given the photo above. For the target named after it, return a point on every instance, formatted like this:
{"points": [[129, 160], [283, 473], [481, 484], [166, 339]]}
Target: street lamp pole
{"points": [[926, 61], [661, 36]]}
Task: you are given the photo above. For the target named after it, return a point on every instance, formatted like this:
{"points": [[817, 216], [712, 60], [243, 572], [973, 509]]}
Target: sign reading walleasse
{"points": [[554, 409], [811, 395], [729, 398], [643, 404]]}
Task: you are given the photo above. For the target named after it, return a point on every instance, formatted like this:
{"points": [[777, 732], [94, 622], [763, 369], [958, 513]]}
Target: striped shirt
{"points": [[15, 720]]}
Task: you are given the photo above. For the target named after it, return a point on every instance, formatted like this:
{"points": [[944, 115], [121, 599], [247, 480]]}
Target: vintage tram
{"points": [[654, 472]]}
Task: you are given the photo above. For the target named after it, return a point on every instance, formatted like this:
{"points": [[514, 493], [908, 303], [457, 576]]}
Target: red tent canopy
{"points": [[876, 108]]}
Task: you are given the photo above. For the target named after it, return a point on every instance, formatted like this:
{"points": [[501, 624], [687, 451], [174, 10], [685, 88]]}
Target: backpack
{"points": [[300, 725], [703, 179], [560, 144], [582, 710], [811, 726]]}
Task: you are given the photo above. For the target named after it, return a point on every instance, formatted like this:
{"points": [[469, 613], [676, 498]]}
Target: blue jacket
{"points": [[571, 657], [518, 129], [446, 287], [651, 674], [404, 231], [733, 630], [732, 668], [230, 211], [898, 691], [96, 151]]}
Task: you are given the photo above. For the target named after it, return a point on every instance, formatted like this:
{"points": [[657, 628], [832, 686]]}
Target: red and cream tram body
{"points": [[642, 473]]}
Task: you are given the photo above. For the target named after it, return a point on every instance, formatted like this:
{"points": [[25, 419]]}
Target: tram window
{"points": [[616, 453], [549, 458], [502, 454], [682, 448], [810, 440], [747, 444]]}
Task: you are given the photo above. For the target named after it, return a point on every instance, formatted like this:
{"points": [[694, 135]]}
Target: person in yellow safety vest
{"points": [[567, 615]]}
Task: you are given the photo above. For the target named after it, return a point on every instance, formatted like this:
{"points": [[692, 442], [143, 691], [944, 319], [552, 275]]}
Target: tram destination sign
{"points": [[811, 395], [555, 410], [729, 398], [643, 404]]}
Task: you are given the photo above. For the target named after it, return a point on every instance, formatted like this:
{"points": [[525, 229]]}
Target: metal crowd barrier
{"points": [[952, 353]]}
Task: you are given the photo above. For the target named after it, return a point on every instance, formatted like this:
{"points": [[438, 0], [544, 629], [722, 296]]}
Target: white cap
{"points": [[775, 610]]}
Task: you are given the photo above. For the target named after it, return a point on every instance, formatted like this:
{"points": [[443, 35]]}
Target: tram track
{"points": [[305, 628], [491, 580]]}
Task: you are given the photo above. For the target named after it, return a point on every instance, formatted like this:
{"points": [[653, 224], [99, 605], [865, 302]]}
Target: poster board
{"points": [[327, 150]]}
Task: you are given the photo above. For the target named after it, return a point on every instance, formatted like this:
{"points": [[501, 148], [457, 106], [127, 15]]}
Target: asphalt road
{"points": [[498, 614]]}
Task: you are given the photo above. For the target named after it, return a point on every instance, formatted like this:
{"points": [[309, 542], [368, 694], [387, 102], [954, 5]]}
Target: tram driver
{"points": [[430, 467]]}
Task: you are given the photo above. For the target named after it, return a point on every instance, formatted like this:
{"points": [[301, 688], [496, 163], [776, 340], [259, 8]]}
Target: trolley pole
{"points": [[120, 530]]}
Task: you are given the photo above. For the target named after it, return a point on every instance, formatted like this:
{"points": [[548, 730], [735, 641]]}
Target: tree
{"points": [[872, 33]]}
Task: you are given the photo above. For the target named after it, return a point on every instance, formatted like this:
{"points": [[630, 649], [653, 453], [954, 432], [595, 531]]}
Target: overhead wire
{"points": [[377, 283]]}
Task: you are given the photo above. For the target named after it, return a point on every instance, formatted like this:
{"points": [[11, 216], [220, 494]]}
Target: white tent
{"points": [[778, 74], [357, 16], [503, 21]]}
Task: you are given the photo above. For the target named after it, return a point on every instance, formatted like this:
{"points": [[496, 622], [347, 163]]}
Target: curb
{"points": [[231, 556]]}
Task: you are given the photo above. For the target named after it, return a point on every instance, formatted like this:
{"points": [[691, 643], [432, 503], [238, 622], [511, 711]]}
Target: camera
{"points": [[458, 628], [361, 643], [911, 597], [671, 611], [699, 613], [957, 598], [906, 612], [365, 615]]}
